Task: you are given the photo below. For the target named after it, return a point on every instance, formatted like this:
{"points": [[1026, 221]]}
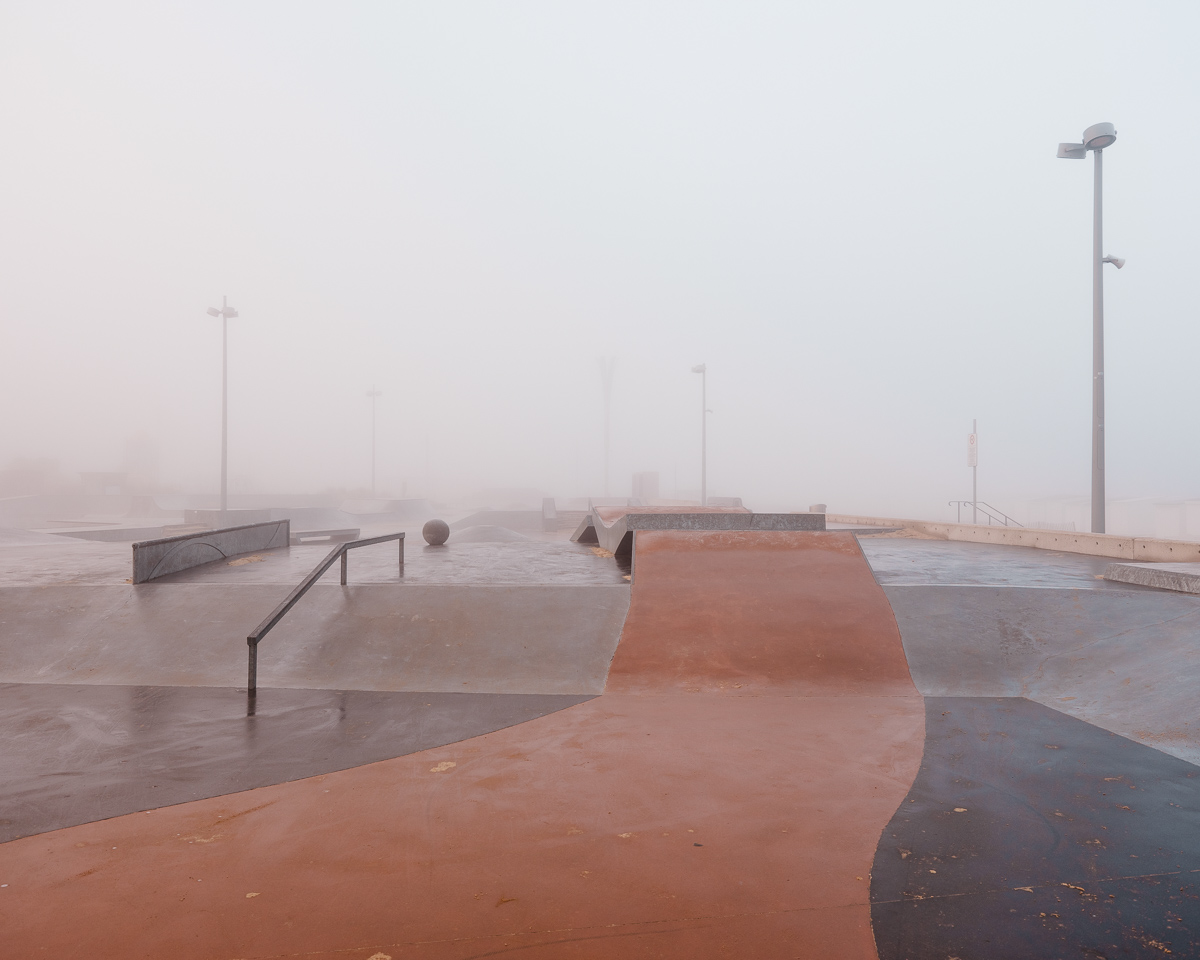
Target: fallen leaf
{"points": [[443, 766]]}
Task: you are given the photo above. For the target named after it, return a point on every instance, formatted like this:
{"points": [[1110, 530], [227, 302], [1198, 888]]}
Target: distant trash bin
{"points": [[817, 508]]}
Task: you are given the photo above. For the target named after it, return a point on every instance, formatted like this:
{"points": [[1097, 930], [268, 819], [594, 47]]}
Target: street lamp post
{"points": [[1096, 138], [607, 365], [224, 313], [373, 395], [702, 369]]}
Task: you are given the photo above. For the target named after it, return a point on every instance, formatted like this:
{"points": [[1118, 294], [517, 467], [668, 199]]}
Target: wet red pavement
{"points": [[663, 820], [750, 612]]}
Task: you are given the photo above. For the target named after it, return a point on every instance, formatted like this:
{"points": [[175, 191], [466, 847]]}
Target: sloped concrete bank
{"points": [[480, 638]]}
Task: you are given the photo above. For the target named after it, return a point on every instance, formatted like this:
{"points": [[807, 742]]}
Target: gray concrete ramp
{"points": [[454, 638], [998, 621]]}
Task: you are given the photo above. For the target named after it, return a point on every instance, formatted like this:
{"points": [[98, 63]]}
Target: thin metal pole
{"points": [[1098, 502], [606, 373], [373, 394], [344, 552], [224, 407], [975, 474], [252, 671], [704, 437]]}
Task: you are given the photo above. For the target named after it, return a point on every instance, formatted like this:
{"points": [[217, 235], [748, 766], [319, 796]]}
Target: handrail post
{"points": [[252, 671], [345, 552], [401, 542]]}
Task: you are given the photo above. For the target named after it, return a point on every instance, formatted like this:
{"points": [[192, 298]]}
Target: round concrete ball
{"points": [[436, 532]]}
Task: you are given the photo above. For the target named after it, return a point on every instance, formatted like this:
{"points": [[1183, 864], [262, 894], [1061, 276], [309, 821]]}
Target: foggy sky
{"points": [[852, 213]]}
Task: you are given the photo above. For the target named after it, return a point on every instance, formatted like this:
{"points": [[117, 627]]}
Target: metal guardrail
{"points": [[992, 513], [302, 588]]}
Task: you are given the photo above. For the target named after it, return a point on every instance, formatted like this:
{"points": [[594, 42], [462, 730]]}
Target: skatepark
{"points": [[758, 735]]}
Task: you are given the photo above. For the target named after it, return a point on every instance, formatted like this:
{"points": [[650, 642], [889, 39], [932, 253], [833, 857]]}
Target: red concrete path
{"points": [[751, 612], [571, 836]]}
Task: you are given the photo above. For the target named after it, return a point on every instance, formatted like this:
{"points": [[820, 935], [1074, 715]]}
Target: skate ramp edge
{"points": [[751, 612]]}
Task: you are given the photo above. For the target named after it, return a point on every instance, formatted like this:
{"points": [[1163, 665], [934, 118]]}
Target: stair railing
{"points": [[992, 513]]}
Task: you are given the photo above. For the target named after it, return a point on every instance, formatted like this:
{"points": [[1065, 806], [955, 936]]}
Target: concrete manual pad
{"points": [[1181, 577], [77, 753]]}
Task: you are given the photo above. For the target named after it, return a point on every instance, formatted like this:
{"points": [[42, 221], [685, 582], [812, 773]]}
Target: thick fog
{"points": [[852, 213]]}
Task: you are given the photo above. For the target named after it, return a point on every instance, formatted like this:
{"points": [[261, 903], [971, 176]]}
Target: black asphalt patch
{"points": [[1030, 834], [77, 753]]}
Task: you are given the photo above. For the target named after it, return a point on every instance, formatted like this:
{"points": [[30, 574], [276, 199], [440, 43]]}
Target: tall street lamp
{"points": [[702, 369], [224, 313], [1096, 138], [373, 395]]}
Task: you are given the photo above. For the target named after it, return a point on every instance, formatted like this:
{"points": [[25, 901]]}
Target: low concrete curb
{"points": [[1180, 577], [1093, 544]]}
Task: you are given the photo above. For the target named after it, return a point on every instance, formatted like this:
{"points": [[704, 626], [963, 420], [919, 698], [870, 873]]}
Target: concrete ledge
{"points": [[1180, 577], [616, 536], [157, 558], [1092, 544]]}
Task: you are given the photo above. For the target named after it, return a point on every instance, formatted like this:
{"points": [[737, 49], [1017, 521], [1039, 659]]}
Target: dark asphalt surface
{"points": [[1029, 834]]}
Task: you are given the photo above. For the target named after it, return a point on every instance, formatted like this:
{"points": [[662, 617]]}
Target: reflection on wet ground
{"points": [[75, 753], [900, 562], [515, 562]]}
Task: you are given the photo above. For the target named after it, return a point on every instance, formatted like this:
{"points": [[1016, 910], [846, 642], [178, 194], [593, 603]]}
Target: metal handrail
{"points": [[992, 513], [302, 588]]}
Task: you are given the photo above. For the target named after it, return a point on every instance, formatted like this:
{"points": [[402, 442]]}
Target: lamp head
{"points": [[1099, 135], [699, 368], [214, 312], [230, 312], [1117, 262]]}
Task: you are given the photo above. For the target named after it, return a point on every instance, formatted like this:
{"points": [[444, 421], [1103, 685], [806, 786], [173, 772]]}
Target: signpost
{"points": [[973, 463]]}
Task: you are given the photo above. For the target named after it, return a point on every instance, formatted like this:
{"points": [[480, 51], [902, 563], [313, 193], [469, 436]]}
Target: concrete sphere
{"points": [[436, 532]]}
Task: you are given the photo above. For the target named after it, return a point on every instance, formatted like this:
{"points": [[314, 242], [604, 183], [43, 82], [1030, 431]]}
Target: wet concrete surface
{"points": [[482, 638], [746, 611], [78, 753], [670, 822], [725, 797], [1029, 834], [977, 624], [903, 562], [516, 562], [640, 827]]}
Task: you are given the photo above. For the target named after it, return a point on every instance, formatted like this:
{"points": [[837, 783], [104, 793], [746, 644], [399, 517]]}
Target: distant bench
{"points": [[332, 536]]}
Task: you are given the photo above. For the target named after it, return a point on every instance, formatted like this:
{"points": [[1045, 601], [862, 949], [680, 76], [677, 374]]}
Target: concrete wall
{"points": [[157, 558], [1147, 549]]}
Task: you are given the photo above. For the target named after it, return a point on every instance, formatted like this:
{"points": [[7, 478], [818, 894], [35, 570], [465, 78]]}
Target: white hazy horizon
{"points": [[852, 213]]}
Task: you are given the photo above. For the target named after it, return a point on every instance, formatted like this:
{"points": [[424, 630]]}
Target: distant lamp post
{"points": [[373, 395], [1096, 138], [607, 365], [224, 313], [702, 369]]}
